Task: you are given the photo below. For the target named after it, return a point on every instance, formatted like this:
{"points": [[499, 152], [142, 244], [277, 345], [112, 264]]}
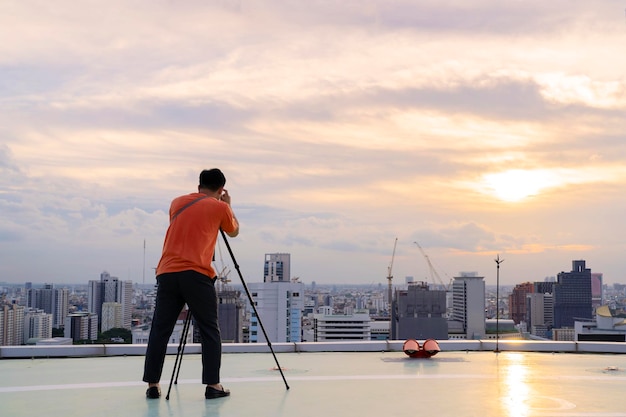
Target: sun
{"points": [[517, 184]]}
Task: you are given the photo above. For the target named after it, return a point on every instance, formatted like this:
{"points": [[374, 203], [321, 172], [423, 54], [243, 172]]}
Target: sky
{"points": [[469, 129]]}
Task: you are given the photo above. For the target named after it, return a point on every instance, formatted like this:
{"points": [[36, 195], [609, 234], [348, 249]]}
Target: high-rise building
{"points": [[81, 326], [11, 325], [280, 306], [279, 302], [540, 308], [277, 267], [419, 313], [539, 317], [517, 301], [333, 327], [37, 324], [544, 287], [111, 316], [230, 315], [51, 300], [468, 304], [111, 290], [597, 298], [572, 296]]}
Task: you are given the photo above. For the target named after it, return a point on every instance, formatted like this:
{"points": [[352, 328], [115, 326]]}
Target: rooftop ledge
{"points": [[64, 351]]}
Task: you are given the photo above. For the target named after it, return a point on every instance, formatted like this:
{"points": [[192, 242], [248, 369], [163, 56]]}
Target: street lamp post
{"points": [[498, 262]]}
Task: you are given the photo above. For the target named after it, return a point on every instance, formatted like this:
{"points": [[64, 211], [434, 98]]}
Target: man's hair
{"points": [[212, 179]]}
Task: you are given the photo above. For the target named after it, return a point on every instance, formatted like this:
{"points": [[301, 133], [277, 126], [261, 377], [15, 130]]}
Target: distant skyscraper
{"points": [[544, 287], [277, 267], [81, 326], [111, 316], [597, 298], [572, 296], [517, 301], [37, 325], [51, 300], [11, 325], [280, 306], [329, 327], [419, 313], [468, 304], [539, 315], [230, 315], [111, 290]]}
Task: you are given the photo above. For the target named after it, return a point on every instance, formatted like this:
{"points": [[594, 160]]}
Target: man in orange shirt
{"points": [[185, 276]]}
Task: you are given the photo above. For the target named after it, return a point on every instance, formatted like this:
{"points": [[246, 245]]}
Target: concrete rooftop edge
{"points": [[61, 351]]}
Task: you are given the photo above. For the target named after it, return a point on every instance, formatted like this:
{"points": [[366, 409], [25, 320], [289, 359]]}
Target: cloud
{"points": [[340, 126]]}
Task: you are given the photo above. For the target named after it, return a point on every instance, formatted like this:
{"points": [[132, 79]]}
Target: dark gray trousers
{"points": [[198, 292]]}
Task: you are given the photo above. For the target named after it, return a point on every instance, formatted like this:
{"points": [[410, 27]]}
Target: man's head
{"points": [[212, 179]]}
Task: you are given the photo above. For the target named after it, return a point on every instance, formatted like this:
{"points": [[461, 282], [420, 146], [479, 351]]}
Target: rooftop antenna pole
{"points": [[390, 295], [144, 262], [498, 262]]}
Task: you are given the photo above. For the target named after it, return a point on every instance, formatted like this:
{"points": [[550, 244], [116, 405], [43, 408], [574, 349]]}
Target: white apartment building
{"points": [[140, 334], [334, 327], [111, 290], [37, 325], [112, 316], [468, 306], [280, 306], [11, 325]]}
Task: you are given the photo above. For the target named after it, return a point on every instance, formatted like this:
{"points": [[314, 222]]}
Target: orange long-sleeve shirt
{"points": [[191, 236]]}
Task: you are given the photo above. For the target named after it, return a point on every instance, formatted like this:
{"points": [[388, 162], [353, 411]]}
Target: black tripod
{"points": [[183, 340], [179, 353]]}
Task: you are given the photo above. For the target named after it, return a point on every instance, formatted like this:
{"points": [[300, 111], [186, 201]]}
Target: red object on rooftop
{"points": [[412, 348]]}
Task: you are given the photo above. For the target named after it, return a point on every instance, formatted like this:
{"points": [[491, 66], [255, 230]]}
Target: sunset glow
{"points": [[495, 127]]}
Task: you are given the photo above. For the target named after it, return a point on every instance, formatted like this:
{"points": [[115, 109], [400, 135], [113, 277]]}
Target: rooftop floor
{"points": [[365, 383]]}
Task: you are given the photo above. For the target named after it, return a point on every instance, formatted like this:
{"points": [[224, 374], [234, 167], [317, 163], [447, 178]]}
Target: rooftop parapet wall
{"points": [[15, 352]]}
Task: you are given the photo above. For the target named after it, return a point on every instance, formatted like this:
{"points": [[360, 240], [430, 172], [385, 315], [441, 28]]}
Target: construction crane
{"points": [[390, 276], [223, 272], [433, 271]]}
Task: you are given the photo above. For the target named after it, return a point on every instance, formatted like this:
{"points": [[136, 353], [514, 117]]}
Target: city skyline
{"points": [[477, 130]]}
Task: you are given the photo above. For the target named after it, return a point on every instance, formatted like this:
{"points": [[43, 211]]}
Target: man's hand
{"points": [[225, 197]]}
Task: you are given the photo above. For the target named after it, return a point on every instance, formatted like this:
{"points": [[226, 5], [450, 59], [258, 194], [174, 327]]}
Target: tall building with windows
{"points": [[572, 296], [468, 305], [544, 287], [230, 315], [111, 316], [111, 290], [51, 300], [280, 306], [37, 325], [333, 327], [419, 313], [279, 300], [597, 295], [518, 303], [539, 315], [277, 267], [81, 326], [11, 325]]}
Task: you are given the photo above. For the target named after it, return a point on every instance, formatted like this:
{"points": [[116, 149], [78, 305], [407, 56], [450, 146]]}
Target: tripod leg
{"points": [[179, 358], [245, 287], [184, 340]]}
